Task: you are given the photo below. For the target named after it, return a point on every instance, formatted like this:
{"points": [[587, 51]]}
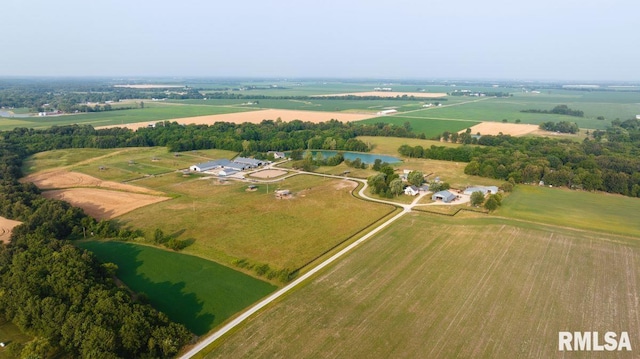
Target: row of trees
{"points": [[59, 294], [559, 110], [610, 161], [562, 126]]}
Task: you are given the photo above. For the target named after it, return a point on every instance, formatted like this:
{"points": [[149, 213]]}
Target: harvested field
{"points": [[258, 116], [6, 226], [478, 288], [149, 86], [388, 94], [103, 204], [494, 128], [67, 179], [268, 174]]}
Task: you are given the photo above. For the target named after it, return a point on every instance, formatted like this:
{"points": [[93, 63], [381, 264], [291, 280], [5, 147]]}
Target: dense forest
{"points": [[607, 161], [62, 295]]}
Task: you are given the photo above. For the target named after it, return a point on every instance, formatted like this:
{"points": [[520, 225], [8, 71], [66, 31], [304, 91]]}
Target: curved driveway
{"points": [[266, 301]]}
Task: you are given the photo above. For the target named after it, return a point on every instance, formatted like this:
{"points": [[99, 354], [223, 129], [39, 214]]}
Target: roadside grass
{"points": [[193, 291], [602, 212], [433, 286], [229, 224]]}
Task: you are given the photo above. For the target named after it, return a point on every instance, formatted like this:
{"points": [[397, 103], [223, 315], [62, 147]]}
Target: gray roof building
{"points": [[444, 196]]}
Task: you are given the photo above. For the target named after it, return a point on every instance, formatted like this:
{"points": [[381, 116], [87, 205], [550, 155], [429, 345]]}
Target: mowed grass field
{"points": [[227, 223], [603, 212], [198, 293], [437, 287]]}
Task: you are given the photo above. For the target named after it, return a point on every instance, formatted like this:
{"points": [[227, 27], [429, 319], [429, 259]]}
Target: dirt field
{"points": [[6, 226], [269, 174], [388, 94], [258, 116], [494, 128], [101, 203], [67, 179], [149, 86]]}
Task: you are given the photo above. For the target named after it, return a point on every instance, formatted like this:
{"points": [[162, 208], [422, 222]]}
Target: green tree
{"points": [[477, 198], [396, 187], [415, 178], [491, 204]]}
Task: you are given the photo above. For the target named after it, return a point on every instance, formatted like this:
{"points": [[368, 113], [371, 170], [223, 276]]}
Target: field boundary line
{"points": [[263, 303]]}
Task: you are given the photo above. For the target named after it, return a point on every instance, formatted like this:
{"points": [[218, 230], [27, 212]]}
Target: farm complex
{"points": [[264, 220]]}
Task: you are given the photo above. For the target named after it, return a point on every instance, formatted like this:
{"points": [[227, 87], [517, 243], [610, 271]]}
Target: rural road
{"points": [[266, 301]]}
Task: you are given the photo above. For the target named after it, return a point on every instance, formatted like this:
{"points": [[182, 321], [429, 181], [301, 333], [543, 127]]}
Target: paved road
{"points": [[263, 303]]}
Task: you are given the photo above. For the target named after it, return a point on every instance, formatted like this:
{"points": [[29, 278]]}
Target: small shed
{"points": [[444, 196], [283, 193]]}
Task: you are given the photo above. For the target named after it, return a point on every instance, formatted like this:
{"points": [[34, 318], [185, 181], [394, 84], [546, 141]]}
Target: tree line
{"points": [[62, 295], [558, 110], [607, 161]]}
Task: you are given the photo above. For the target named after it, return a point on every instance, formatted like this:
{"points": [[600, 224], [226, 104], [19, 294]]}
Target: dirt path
{"points": [[6, 226]]}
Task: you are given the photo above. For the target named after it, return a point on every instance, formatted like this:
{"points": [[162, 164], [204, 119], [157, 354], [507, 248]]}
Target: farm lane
{"points": [[257, 307]]}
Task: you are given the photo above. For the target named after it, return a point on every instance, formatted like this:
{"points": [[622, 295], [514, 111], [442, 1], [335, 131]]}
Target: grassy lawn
{"points": [[437, 287], [10, 334], [228, 223], [195, 292], [591, 211]]}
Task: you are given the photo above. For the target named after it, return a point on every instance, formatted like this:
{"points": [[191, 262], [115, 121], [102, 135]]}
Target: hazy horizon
{"points": [[552, 41]]}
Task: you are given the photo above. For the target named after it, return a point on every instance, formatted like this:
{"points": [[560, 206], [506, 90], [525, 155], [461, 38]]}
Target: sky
{"points": [[568, 40]]}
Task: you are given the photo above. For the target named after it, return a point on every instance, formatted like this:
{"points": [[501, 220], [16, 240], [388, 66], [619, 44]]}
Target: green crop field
{"points": [[437, 287], [195, 292], [228, 223], [607, 213], [430, 127], [151, 112]]}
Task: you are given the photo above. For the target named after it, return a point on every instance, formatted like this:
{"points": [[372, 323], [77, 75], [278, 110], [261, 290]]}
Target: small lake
{"points": [[368, 158]]}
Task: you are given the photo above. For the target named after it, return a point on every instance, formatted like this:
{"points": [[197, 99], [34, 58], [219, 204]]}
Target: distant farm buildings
{"points": [[386, 112], [483, 189], [228, 167]]}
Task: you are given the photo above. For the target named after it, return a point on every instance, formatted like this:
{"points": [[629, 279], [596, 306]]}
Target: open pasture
{"points": [[195, 292], [389, 145], [602, 212], [496, 128], [228, 223], [382, 94], [10, 334], [120, 164], [436, 287]]}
